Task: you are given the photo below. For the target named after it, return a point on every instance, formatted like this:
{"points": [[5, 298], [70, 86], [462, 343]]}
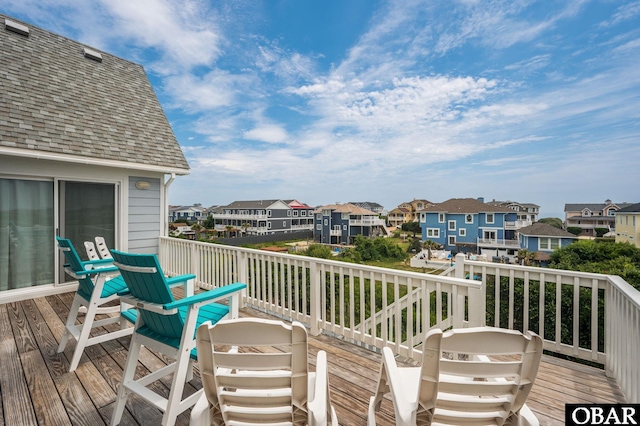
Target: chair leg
{"points": [[127, 376], [71, 322], [183, 366], [85, 331]]}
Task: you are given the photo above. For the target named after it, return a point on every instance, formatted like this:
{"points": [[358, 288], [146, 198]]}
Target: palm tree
{"points": [[430, 245]]}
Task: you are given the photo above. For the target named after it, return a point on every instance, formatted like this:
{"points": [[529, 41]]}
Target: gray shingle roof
{"points": [[55, 100], [466, 205], [541, 229], [594, 207], [632, 208]]}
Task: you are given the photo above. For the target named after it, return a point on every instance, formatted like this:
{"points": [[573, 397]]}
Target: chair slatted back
{"points": [[103, 249], [145, 280], [488, 372], [268, 373], [75, 264]]}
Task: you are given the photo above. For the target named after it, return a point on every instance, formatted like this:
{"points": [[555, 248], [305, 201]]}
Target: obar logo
{"points": [[601, 414]]}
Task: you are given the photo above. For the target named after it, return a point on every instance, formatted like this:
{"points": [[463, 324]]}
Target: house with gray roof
{"points": [[628, 225], [263, 217], [85, 150], [527, 213], [469, 225], [342, 223], [591, 216], [542, 237]]}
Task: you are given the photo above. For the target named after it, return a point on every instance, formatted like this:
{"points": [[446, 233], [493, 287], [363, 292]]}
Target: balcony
{"points": [[239, 216], [511, 225], [336, 301], [498, 243], [367, 221]]}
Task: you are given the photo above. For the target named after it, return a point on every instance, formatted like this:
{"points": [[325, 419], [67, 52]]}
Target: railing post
{"points": [[459, 265], [315, 297], [477, 306], [243, 275]]}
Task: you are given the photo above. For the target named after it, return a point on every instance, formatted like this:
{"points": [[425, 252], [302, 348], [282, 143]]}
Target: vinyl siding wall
{"points": [[144, 216]]}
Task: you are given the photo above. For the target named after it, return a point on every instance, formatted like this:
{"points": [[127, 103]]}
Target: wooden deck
{"points": [[36, 388]]}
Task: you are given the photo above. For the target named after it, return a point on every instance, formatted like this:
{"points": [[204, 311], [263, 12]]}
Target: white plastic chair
{"points": [[461, 381], [97, 251], [255, 371]]}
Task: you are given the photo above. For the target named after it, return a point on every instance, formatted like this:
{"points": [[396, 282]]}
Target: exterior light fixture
{"points": [[143, 185]]}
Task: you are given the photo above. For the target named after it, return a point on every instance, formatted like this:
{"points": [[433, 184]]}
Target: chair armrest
{"points": [[405, 404], [106, 269], [320, 405], [97, 263], [207, 296], [179, 279]]}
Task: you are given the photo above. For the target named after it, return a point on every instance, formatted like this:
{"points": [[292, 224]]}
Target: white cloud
{"points": [[267, 133]]}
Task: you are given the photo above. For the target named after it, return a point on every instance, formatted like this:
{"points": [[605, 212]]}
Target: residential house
{"points": [[542, 239], [589, 217], [398, 216], [527, 212], [195, 213], [628, 225], [261, 217], [408, 211], [77, 129], [341, 223], [374, 207], [469, 225]]}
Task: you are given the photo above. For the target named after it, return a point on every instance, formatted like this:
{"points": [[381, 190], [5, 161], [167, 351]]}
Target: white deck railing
{"points": [[335, 297], [597, 318], [593, 317]]}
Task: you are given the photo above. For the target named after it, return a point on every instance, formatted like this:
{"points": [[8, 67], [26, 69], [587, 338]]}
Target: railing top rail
{"points": [[337, 263], [620, 284]]}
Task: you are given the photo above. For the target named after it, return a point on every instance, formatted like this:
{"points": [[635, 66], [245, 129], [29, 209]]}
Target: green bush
{"points": [[575, 230]]}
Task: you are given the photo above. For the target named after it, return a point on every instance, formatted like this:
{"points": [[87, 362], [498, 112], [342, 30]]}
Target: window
{"points": [[326, 222], [289, 213], [269, 225], [295, 212], [319, 216], [318, 227], [490, 218], [344, 227], [268, 213], [303, 213], [452, 240], [345, 216], [27, 221], [462, 232], [441, 217], [284, 223], [468, 219], [548, 243], [433, 232], [452, 225], [423, 217]]}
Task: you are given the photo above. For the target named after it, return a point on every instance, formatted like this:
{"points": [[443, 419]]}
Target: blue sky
{"points": [[386, 101]]}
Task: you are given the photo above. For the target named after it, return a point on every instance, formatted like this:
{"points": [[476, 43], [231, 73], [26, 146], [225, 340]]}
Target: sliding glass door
{"points": [[86, 210], [26, 233], [28, 224]]}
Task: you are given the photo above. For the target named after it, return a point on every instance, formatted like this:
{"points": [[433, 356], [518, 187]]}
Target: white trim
{"points": [[39, 155], [19, 294]]}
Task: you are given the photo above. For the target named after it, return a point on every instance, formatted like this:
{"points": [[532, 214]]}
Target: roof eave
{"points": [[40, 155]]}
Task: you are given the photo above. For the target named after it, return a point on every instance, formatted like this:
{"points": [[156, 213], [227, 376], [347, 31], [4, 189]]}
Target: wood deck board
{"points": [[37, 389]]}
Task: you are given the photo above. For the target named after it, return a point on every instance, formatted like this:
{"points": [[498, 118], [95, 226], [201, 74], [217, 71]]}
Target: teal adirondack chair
{"points": [[167, 326], [98, 283]]}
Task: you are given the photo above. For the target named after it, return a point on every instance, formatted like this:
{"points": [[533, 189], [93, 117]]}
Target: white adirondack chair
{"points": [[255, 371], [476, 375]]}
